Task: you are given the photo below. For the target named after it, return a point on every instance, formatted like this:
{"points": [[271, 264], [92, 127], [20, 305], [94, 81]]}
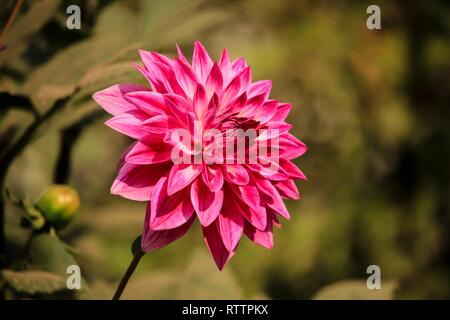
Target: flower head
{"points": [[210, 144]]}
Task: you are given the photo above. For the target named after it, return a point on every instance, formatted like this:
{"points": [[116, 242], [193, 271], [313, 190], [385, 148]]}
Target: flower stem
{"points": [[123, 282]]}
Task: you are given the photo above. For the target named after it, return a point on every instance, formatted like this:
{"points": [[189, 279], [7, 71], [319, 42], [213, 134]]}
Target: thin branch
{"points": [[11, 18]]}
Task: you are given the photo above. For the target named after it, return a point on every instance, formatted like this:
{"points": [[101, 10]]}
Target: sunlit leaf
{"points": [[356, 290], [33, 282]]}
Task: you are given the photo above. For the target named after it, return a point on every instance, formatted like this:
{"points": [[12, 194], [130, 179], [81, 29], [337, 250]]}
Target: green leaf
{"points": [[356, 290], [33, 282], [59, 77], [48, 253], [26, 25]]}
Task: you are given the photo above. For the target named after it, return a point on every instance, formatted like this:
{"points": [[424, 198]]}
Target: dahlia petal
{"points": [[156, 239], [185, 77], [129, 123], [270, 170], [213, 240], [214, 82], [136, 182], [200, 102], [181, 55], [231, 225], [201, 62], [272, 197], [152, 103], [287, 189], [236, 174], [250, 195], [181, 175], [225, 67], [276, 222], [238, 65], [169, 78], [263, 238], [291, 147], [213, 178], [169, 211], [282, 112], [158, 124], [256, 217], [112, 99], [252, 106], [237, 86], [152, 72], [207, 204], [274, 130], [260, 87], [160, 58], [153, 78], [238, 103], [178, 107], [267, 111], [142, 153], [291, 169]]}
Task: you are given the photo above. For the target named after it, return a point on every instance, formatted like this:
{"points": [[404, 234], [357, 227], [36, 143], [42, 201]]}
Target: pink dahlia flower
{"points": [[187, 161]]}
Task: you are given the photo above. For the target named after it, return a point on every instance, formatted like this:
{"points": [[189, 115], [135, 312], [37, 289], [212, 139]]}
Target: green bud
{"points": [[136, 246], [58, 204]]}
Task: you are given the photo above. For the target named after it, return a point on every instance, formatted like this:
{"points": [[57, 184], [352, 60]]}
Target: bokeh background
{"points": [[372, 106]]}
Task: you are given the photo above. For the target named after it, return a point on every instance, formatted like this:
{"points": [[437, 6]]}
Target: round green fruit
{"points": [[58, 204]]}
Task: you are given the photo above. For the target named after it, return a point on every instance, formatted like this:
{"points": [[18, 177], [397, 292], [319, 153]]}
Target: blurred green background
{"points": [[372, 106]]}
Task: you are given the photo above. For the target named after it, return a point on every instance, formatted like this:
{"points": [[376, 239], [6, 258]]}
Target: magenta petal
{"points": [[292, 170], [181, 175], [263, 238], [260, 87], [231, 225], [256, 216], [272, 197], [201, 62], [287, 189], [283, 110], [158, 124], [185, 77], [215, 245], [225, 67], [113, 100], [236, 174], [236, 87], [181, 55], [267, 111], [207, 204], [200, 103], [136, 182], [238, 65], [142, 153], [214, 83], [129, 123], [169, 211], [291, 147], [213, 178], [156, 239], [250, 195], [152, 103]]}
